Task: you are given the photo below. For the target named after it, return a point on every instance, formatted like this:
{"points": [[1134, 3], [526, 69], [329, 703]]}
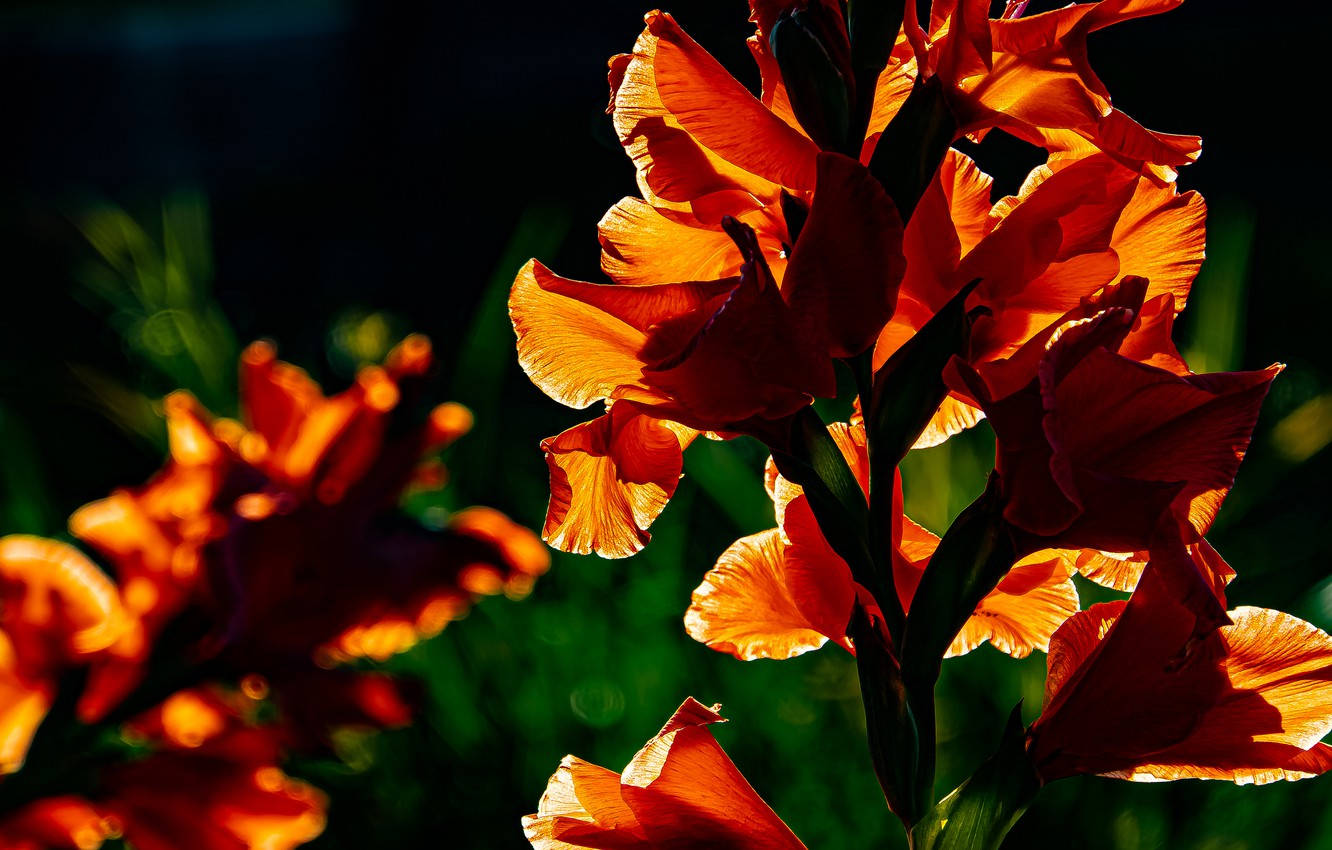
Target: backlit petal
{"points": [[609, 479], [1024, 610], [746, 607]]}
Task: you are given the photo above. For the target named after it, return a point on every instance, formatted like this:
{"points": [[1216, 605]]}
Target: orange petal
{"points": [[50, 587], [746, 355], [641, 244], [1161, 235], [685, 791], [1132, 694], [1024, 610], [276, 396], [745, 606], [890, 92], [24, 702], [714, 108], [582, 808], [609, 479], [674, 169], [953, 417], [579, 341], [951, 218]]}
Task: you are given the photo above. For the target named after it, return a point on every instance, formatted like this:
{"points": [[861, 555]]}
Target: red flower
{"points": [[1101, 451]]}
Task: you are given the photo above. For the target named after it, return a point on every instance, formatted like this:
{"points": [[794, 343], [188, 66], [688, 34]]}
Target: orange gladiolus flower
{"points": [[785, 591], [282, 529], [1105, 452], [1075, 228], [751, 340], [1031, 77], [57, 610], [680, 790], [1131, 694]]}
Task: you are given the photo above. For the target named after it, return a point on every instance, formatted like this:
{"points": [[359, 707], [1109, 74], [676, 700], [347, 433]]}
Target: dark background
{"points": [[345, 172]]}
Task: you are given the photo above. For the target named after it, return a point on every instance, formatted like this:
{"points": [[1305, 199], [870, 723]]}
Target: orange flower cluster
{"points": [[266, 552], [777, 237]]}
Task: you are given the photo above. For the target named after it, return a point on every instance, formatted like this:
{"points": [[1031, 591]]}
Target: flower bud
{"points": [[811, 49]]}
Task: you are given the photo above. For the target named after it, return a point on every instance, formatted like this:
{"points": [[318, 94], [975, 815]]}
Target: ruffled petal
{"points": [[714, 108], [580, 341], [952, 418], [1133, 692], [746, 605], [679, 790], [1161, 235], [1024, 610], [641, 244], [1111, 416], [582, 808], [609, 479]]}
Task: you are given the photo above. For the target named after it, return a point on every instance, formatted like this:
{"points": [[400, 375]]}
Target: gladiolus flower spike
{"points": [[829, 220]]}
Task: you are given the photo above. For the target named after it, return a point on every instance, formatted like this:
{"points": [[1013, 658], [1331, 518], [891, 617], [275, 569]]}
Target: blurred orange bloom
{"points": [[785, 591], [284, 531], [680, 790], [1131, 694], [57, 610], [1031, 77], [1101, 451], [211, 783]]}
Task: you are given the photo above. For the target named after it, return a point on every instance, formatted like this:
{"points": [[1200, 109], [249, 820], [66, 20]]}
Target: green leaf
{"points": [[981, 811], [813, 460], [909, 388], [971, 558], [872, 26]]}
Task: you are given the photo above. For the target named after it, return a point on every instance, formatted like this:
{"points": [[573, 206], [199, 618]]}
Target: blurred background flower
{"points": [[335, 173]]}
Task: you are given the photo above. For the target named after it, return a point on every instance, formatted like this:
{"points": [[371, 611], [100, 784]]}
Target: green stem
{"points": [[894, 742], [981, 811], [973, 555], [881, 507]]}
